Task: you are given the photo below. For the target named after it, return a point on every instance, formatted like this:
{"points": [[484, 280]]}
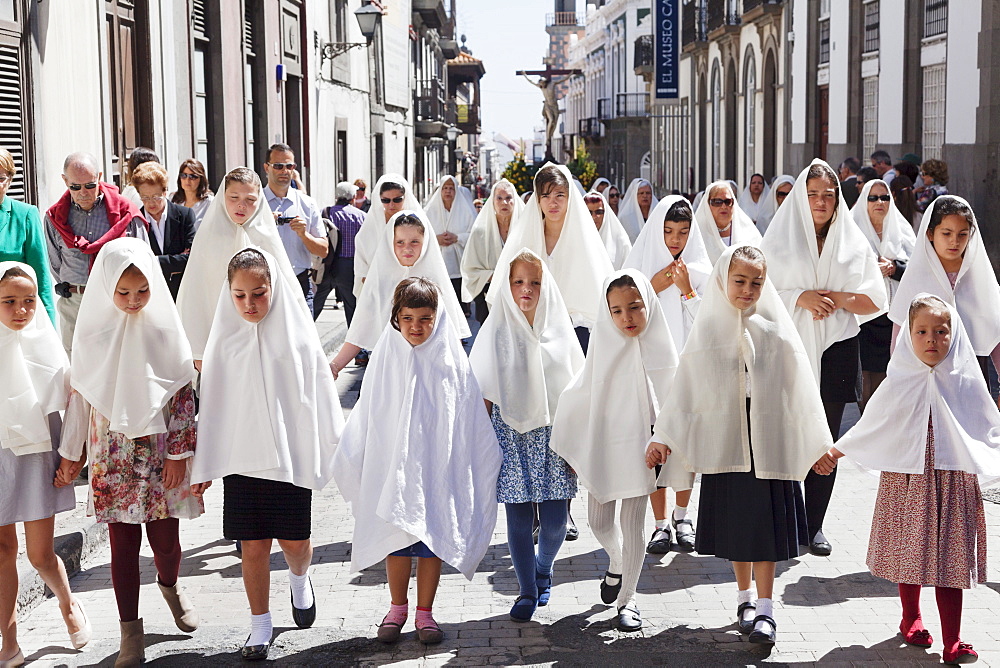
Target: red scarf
{"points": [[120, 210]]}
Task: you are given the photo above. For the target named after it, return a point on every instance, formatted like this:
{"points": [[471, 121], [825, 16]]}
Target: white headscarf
{"points": [[458, 221], [976, 294], [897, 240], [629, 212], [419, 458], [696, 202], [848, 264], [218, 239], [751, 208], [770, 204], [129, 366], [269, 408], [613, 235], [485, 245], [34, 378], [704, 418], [892, 433], [602, 425], [579, 261], [650, 255], [367, 240], [742, 231], [524, 368], [597, 184], [375, 303]]}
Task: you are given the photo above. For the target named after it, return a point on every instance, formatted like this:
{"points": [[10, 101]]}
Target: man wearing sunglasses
{"points": [[88, 215], [300, 226]]}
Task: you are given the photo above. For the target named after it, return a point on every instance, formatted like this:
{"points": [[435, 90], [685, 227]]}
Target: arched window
{"points": [[716, 121], [749, 112]]}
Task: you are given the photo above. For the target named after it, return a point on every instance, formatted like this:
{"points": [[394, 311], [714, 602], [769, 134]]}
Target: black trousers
{"points": [[340, 277]]}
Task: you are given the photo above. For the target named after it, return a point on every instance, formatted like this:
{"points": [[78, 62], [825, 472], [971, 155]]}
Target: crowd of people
{"points": [[626, 344]]}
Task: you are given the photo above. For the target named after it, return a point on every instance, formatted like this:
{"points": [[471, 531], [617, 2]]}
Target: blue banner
{"points": [[667, 48]]}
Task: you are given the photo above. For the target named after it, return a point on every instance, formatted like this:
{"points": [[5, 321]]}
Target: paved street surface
{"points": [[831, 611]]}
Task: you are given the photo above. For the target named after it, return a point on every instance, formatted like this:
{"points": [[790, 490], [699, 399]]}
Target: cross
{"points": [[548, 72]]}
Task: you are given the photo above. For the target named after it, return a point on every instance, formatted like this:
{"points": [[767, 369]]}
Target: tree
{"points": [[582, 167], [520, 173]]}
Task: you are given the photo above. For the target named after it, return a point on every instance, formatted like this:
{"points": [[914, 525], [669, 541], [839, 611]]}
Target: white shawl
{"points": [[629, 212], [367, 240], [485, 245], [217, 240], [976, 294], [770, 205], [524, 368], [602, 425], [848, 264], [742, 232], [269, 408], [579, 261], [892, 433], [751, 208], [897, 240], [129, 366], [34, 378], [458, 221], [597, 184], [650, 255], [704, 418], [419, 458], [375, 303], [614, 236]]}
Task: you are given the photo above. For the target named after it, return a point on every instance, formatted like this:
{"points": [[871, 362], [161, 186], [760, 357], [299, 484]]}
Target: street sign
{"points": [[666, 49]]}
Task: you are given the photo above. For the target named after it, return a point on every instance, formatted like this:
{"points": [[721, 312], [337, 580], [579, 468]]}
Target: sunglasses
{"points": [[614, 196], [781, 195], [394, 200], [721, 202], [361, 189], [282, 165], [89, 186], [189, 176], [597, 212], [875, 198]]}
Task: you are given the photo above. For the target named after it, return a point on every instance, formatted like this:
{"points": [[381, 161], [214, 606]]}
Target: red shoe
{"points": [[961, 653], [915, 634]]}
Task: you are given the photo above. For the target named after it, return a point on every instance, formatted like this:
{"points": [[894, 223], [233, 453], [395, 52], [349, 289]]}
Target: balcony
{"points": [[604, 109], [642, 60], [631, 105], [589, 128], [722, 18], [757, 9], [433, 13], [431, 109], [694, 26], [467, 118], [568, 19]]}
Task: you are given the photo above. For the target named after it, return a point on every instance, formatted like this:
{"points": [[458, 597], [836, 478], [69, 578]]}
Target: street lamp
{"points": [[369, 17], [452, 132]]}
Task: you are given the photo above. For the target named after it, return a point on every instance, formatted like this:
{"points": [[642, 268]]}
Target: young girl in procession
{"points": [[671, 254], [392, 195], [269, 424], [950, 261], [637, 203], [931, 428], [132, 415], [753, 438], [891, 237], [827, 275], [418, 461], [776, 195], [408, 248], [486, 240], [603, 423], [614, 236], [525, 355], [34, 387], [722, 222], [451, 213]]}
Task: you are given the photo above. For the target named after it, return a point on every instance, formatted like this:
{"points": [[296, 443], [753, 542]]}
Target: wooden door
{"points": [[129, 70], [822, 121]]}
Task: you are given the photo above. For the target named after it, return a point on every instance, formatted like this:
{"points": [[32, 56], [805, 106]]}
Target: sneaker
{"points": [[660, 542], [684, 531], [361, 359]]}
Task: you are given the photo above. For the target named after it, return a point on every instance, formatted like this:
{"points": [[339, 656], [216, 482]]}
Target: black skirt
{"points": [[875, 339], [840, 372], [258, 509]]}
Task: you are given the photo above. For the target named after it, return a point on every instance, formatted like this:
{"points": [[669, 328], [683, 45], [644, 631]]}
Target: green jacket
{"points": [[23, 240]]}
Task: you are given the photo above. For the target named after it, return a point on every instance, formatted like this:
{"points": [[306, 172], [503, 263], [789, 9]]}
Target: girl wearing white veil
{"points": [[613, 235], [753, 197], [636, 204], [892, 239], [392, 194], [828, 278], [599, 185], [489, 233], [722, 222], [451, 211], [776, 195]]}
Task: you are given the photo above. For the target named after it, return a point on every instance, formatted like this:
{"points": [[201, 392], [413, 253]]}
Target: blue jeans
{"points": [[307, 290]]}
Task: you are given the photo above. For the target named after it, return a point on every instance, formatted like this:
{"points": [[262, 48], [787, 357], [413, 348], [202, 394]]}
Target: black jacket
{"points": [[178, 235]]}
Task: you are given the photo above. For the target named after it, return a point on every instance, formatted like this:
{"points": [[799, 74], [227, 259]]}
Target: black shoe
{"points": [[820, 546], [361, 359], [629, 618], [763, 637], [660, 542], [609, 593], [746, 626], [572, 533], [684, 533], [254, 652], [305, 618]]}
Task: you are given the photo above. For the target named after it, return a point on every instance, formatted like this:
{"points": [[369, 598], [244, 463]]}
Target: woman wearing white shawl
{"points": [[931, 435], [564, 236], [776, 195], [751, 453], [489, 233], [892, 239], [722, 222], [34, 377], [238, 217], [389, 187], [269, 425], [753, 197], [451, 212], [524, 356], [636, 204], [602, 426], [599, 185], [828, 278], [419, 460], [613, 235]]}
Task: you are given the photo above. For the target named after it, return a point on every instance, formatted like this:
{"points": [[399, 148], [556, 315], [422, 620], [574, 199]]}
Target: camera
{"points": [[284, 220], [62, 289]]}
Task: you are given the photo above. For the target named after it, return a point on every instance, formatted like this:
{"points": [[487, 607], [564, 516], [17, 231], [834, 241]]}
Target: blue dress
{"points": [[531, 472]]}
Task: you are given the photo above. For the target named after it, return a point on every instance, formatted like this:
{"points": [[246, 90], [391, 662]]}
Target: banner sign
{"points": [[666, 48]]}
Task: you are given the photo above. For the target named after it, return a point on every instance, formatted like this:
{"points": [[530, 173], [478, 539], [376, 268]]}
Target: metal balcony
{"points": [[721, 16], [604, 109], [569, 19], [694, 24], [589, 127], [642, 60], [631, 105], [433, 13]]}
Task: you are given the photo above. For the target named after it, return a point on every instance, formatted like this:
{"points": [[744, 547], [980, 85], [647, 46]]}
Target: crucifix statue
{"points": [[547, 83]]}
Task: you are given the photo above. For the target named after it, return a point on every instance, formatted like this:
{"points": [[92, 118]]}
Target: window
{"points": [[869, 115], [201, 137], [15, 99], [750, 112], [935, 17], [716, 123], [341, 155], [934, 105], [871, 27], [824, 41]]}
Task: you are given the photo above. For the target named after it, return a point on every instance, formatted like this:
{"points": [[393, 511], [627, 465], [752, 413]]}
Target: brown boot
{"points": [[133, 647], [185, 616]]}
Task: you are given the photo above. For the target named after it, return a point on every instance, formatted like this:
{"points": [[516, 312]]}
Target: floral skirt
{"points": [[531, 472]]}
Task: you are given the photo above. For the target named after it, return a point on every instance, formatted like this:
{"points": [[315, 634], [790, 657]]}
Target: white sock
{"points": [[819, 537], [260, 630], [765, 606], [680, 513], [662, 524], [611, 581], [747, 596], [302, 595]]}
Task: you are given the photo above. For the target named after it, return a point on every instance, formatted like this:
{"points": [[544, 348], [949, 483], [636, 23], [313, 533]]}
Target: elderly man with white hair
{"points": [[338, 266]]}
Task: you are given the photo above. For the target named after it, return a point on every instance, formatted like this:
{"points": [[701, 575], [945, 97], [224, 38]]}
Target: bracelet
{"points": [[689, 296]]}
